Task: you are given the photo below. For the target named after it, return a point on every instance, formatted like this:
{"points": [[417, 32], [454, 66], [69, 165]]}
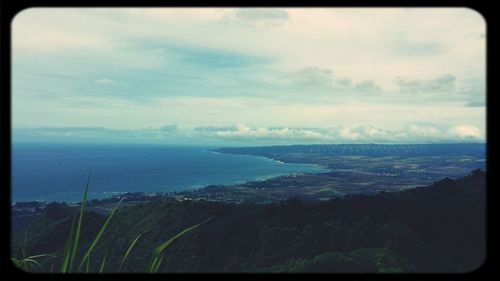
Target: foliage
{"points": [[69, 254], [437, 228]]}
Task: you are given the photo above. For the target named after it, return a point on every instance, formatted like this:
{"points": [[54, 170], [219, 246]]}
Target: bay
{"points": [[58, 171]]}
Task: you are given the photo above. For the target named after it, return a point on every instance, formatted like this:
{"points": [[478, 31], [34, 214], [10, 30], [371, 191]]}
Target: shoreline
{"points": [[370, 178], [168, 194], [277, 160]]}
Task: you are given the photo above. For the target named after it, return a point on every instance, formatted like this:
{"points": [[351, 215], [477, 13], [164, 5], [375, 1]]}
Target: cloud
{"points": [[368, 133], [367, 86], [344, 82], [415, 48], [99, 134], [245, 132], [286, 68], [215, 128], [473, 91], [442, 84], [257, 135], [313, 77], [465, 132], [323, 78], [205, 56], [348, 133], [259, 18], [475, 103], [169, 128], [415, 133], [423, 131], [106, 81]]}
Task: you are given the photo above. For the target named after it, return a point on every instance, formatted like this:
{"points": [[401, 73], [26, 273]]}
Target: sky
{"points": [[249, 76]]}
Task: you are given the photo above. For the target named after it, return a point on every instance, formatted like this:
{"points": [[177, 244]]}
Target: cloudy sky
{"points": [[249, 76]]}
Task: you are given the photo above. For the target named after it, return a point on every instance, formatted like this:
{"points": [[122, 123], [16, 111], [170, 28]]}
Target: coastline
{"points": [[117, 195], [283, 161], [342, 175], [58, 174]]}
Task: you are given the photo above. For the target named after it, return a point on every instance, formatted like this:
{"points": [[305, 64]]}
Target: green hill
{"points": [[438, 228]]}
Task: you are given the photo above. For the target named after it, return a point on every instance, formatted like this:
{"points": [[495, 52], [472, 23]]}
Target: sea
{"points": [[58, 171]]}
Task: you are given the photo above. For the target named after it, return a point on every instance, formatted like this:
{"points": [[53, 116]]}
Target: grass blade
{"points": [[154, 262], [128, 251], [42, 255], [157, 265], [79, 225], [32, 261], [101, 270], [88, 265], [16, 262], [99, 235], [67, 248]]}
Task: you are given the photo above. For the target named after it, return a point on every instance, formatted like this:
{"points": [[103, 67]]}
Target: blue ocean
{"points": [[58, 171]]}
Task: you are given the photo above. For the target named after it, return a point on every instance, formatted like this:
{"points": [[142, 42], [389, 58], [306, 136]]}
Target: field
{"points": [[354, 169]]}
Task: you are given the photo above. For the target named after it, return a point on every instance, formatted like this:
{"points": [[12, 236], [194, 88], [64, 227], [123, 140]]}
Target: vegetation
{"points": [[69, 254], [437, 228], [354, 168]]}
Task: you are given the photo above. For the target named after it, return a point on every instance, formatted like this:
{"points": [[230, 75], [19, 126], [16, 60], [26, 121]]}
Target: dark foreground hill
{"points": [[438, 228]]}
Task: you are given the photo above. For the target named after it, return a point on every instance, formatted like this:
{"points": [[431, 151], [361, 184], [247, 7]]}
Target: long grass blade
{"points": [[28, 260], [87, 268], [157, 265], [67, 248], [101, 270], [99, 235], [79, 225], [42, 255], [153, 264], [15, 261], [128, 251]]}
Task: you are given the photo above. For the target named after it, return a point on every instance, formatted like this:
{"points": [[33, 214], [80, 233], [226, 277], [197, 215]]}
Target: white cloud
{"points": [[346, 40], [245, 132], [465, 131], [424, 131], [353, 133], [319, 69], [347, 134], [249, 135]]}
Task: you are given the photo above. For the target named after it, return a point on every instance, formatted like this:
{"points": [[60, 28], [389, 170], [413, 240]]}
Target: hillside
{"points": [[437, 228]]}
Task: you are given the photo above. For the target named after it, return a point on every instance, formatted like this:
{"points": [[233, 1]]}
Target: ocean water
{"points": [[58, 172]]}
